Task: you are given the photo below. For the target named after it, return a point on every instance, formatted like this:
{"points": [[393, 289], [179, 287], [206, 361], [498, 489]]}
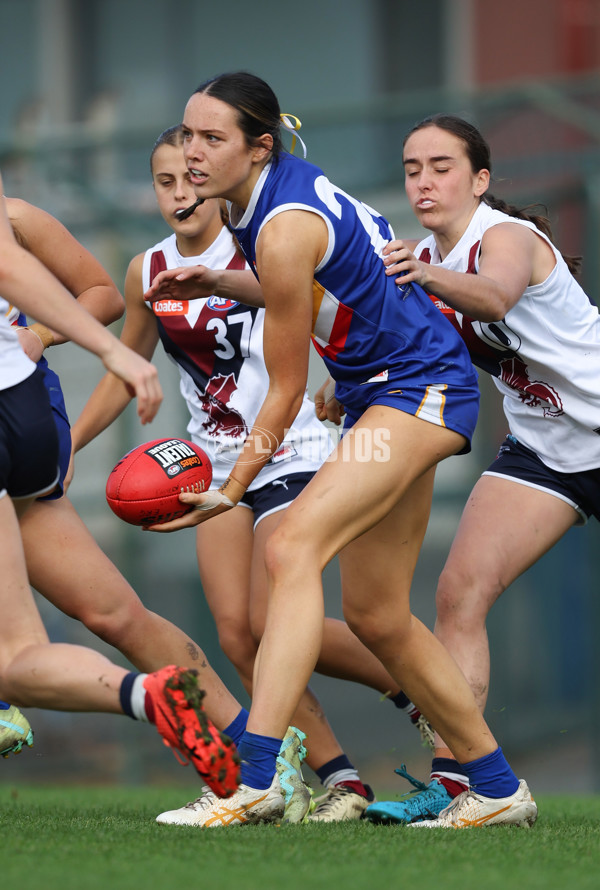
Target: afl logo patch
{"points": [[220, 304]]}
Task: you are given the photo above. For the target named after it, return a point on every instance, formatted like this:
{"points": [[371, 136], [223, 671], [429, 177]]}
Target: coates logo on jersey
{"points": [[170, 307], [220, 304]]}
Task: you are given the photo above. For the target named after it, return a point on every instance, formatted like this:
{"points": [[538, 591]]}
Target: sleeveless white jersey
{"points": [[544, 355], [15, 366], [217, 345]]}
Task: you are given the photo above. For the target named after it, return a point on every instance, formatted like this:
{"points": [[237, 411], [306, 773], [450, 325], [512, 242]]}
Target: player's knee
{"points": [[237, 643], [277, 550], [462, 599], [371, 628], [113, 626], [291, 548]]}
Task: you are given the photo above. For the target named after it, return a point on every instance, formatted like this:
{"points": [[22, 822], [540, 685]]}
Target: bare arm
{"points": [[291, 240], [74, 266], [30, 286], [110, 397], [512, 258], [197, 282]]}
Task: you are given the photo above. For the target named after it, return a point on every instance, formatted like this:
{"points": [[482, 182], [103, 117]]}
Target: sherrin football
{"points": [[144, 487]]}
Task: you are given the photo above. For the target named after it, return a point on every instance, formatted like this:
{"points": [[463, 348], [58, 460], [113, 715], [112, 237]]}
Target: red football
{"points": [[144, 487]]}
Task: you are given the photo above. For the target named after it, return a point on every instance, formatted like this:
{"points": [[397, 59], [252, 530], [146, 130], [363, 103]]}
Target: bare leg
{"points": [[67, 566], [342, 654], [226, 584], [34, 672], [232, 588], [505, 528], [344, 500]]}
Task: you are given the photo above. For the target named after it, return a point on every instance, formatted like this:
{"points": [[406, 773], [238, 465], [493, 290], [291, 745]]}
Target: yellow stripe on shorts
{"points": [[432, 404]]}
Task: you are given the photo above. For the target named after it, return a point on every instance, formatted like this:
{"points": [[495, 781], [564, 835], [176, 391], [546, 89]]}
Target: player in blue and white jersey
{"points": [[216, 344], [406, 380]]}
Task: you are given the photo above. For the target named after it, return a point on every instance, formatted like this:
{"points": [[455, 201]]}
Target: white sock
{"points": [[341, 776], [138, 698]]}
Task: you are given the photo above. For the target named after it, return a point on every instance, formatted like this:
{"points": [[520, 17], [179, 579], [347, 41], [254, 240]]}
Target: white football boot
{"points": [[471, 810], [15, 730], [297, 794], [340, 804], [246, 806]]}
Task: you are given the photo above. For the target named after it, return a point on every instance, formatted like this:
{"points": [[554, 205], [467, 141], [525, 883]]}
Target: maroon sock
{"points": [[149, 708], [453, 788], [355, 786], [450, 774]]}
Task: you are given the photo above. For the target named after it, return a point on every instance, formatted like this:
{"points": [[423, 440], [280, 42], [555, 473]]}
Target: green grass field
{"points": [[90, 838]]}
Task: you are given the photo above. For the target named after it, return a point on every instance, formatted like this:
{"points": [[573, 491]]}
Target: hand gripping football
{"points": [[144, 487]]}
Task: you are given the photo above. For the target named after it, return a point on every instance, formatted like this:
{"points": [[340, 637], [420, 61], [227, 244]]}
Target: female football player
{"points": [[33, 671], [530, 325], [216, 344], [64, 562], [405, 380]]}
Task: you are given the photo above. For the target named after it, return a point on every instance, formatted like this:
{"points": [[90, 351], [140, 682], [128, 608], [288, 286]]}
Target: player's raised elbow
{"points": [[114, 306], [491, 314], [495, 298]]}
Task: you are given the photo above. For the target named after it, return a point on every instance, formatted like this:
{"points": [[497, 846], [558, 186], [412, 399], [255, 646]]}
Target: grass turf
{"points": [[88, 838]]}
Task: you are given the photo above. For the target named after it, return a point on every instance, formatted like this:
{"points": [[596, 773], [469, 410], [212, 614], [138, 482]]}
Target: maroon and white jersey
{"points": [[544, 355], [217, 344]]}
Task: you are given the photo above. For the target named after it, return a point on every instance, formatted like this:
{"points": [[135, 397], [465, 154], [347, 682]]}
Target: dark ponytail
{"points": [[541, 222]]}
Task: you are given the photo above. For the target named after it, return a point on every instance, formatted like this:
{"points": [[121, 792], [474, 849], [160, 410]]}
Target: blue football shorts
{"points": [[275, 495], [519, 463], [446, 405], [63, 428], [28, 439]]}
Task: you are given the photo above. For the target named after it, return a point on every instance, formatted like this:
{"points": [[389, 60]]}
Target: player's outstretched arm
{"points": [[74, 266], [198, 282], [30, 286], [62, 254], [110, 397]]}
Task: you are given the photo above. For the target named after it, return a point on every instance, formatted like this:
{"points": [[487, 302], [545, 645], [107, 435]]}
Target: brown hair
{"points": [[170, 136], [254, 101], [479, 155]]}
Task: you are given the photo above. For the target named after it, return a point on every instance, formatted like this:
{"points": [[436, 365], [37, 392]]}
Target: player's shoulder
{"points": [[136, 264], [133, 278]]}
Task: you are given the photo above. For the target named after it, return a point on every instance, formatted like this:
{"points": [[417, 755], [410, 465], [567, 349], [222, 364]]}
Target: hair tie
{"points": [[292, 123]]}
